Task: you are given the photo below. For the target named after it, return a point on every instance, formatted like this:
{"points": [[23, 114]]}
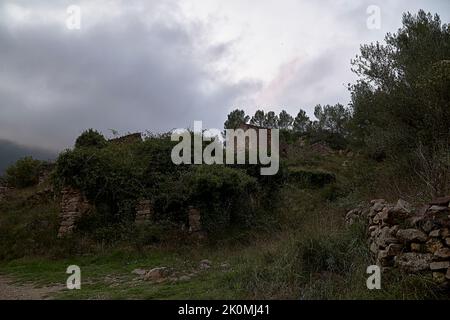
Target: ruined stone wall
{"points": [[144, 212], [3, 191], [413, 240], [74, 205]]}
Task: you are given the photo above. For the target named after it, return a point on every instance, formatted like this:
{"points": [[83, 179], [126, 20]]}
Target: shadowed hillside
{"points": [[10, 152]]}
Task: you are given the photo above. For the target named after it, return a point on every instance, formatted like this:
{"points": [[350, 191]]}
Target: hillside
{"points": [[10, 152]]}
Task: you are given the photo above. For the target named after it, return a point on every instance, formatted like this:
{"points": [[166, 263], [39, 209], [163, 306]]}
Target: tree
{"points": [[235, 119], [301, 122], [401, 101], [90, 138], [285, 120], [24, 173], [333, 119], [271, 120], [259, 118], [395, 100]]}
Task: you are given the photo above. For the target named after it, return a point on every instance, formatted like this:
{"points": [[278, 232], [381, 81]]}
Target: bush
{"points": [[311, 179], [224, 195], [90, 138], [24, 173]]}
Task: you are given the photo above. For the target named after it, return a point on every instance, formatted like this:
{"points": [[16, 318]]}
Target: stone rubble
{"points": [[413, 240]]}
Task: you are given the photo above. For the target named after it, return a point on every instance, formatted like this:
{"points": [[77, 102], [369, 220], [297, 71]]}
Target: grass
{"points": [[304, 251]]}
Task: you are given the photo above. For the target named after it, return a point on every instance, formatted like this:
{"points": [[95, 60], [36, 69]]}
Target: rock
{"points": [[434, 245], [439, 277], [403, 206], [394, 249], [443, 253], [385, 238], [184, 278], [383, 259], [447, 275], [435, 233], [224, 265], [205, 264], [416, 247], [440, 265], [445, 232], [429, 225], [437, 208], [413, 262], [444, 201], [378, 205], [447, 241], [157, 274], [409, 235], [373, 248], [352, 216], [139, 272]]}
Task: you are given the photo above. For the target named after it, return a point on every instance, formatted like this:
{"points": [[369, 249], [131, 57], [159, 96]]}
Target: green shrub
{"points": [[24, 173], [224, 195], [90, 138], [311, 179]]}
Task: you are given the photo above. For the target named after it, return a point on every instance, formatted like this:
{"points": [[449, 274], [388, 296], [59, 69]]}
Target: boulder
{"points": [[410, 235], [157, 274], [413, 262]]}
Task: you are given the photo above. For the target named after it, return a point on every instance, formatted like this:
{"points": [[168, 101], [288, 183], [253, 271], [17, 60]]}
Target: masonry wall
{"points": [[74, 205], [415, 240]]}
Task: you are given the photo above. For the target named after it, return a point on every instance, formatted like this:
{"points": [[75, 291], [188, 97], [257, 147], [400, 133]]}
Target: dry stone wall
{"points": [[144, 212], [74, 205], [413, 240]]}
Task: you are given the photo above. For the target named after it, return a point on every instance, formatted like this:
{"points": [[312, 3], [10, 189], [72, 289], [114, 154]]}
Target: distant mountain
{"points": [[11, 152]]}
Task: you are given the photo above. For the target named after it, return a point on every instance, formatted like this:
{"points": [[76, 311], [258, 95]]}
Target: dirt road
{"points": [[12, 291]]}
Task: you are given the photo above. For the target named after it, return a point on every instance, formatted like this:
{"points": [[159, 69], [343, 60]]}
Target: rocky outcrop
{"points": [[413, 240], [74, 205]]}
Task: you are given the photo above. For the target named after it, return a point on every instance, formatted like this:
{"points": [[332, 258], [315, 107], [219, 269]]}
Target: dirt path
{"points": [[11, 291]]}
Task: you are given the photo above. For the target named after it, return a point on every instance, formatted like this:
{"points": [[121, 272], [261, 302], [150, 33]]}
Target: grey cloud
{"points": [[123, 74]]}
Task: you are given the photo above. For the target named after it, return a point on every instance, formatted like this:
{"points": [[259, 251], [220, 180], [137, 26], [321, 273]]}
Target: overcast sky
{"points": [[160, 65]]}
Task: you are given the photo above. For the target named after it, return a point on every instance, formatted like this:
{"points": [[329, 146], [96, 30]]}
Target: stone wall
{"points": [[74, 205], [144, 212], [3, 191], [413, 240], [45, 172]]}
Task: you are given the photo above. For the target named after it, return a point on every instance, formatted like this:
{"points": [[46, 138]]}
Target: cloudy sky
{"points": [[159, 65]]}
